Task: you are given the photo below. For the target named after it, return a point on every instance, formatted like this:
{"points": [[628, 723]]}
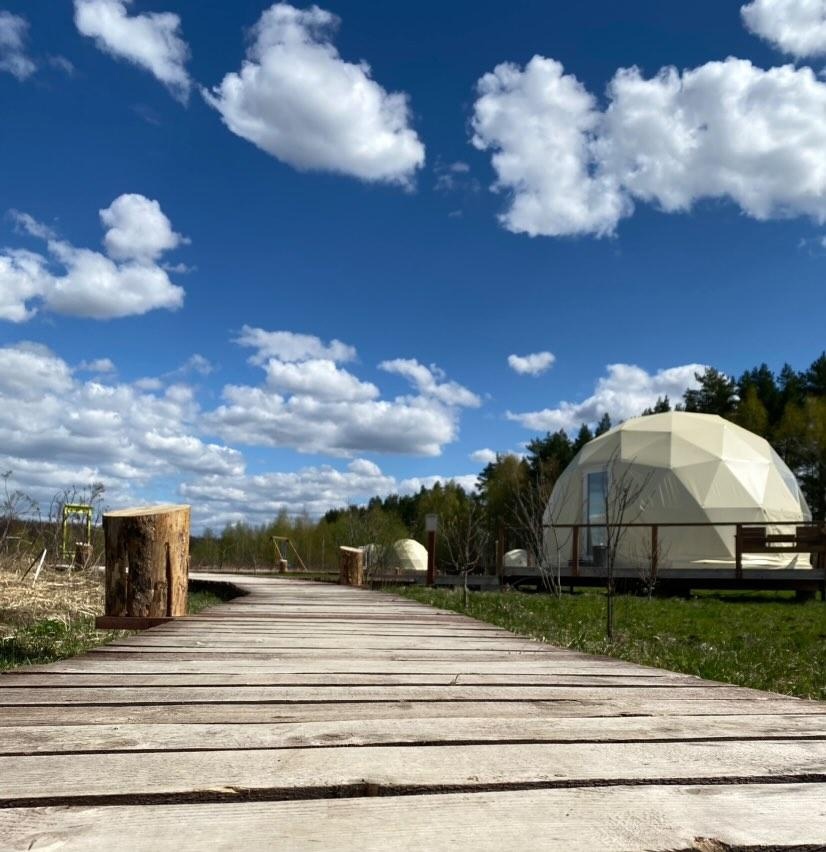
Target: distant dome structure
{"points": [[516, 559], [687, 468], [407, 555]]}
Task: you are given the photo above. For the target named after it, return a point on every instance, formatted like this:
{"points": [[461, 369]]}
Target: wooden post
{"points": [[83, 554], [500, 553], [147, 565], [575, 551], [350, 566], [738, 551], [431, 524]]}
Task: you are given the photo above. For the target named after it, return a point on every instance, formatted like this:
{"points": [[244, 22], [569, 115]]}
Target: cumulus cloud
{"points": [[430, 382], [624, 392], [13, 57], [797, 27], [484, 456], [297, 99], [725, 130], [138, 229], [309, 403], [61, 428], [97, 365], [289, 346], [78, 430], [126, 281], [531, 365], [151, 41]]}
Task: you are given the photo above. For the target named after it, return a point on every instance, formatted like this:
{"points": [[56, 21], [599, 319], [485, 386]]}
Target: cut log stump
{"points": [[351, 566], [147, 564]]}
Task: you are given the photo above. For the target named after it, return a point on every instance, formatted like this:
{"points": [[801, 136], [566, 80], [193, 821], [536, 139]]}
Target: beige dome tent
{"points": [[516, 559], [684, 468], [407, 555]]}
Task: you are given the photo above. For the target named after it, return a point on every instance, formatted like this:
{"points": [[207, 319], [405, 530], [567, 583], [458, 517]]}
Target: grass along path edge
{"points": [[763, 641]]}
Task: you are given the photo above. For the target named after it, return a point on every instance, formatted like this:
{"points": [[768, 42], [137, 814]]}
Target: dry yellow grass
{"points": [[58, 595]]}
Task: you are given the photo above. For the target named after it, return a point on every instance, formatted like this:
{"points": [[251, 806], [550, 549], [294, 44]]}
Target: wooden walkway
{"points": [[313, 716]]}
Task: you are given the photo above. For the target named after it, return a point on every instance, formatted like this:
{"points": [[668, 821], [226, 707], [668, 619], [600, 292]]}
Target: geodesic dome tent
{"points": [[407, 555], [684, 468], [516, 559]]}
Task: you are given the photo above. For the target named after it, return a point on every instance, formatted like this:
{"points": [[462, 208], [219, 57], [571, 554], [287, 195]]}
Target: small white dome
{"points": [[407, 555]]}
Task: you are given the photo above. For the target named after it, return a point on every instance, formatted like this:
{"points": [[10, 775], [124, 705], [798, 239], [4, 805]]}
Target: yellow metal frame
{"points": [[70, 509]]}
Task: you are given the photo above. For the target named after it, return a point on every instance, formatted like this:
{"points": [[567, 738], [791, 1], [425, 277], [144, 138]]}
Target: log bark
{"points": [[351, 566], [147, 561]]}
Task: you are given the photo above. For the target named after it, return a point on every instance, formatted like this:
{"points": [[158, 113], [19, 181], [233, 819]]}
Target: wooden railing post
{"points": [[738, 551], [575, 551]]}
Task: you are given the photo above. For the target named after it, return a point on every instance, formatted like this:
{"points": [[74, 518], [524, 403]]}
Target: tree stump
{"points": [[83, 554], [147, 564], [351, 566]]}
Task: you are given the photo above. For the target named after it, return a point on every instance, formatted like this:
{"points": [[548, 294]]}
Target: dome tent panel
{"points": [[685, 452], [649, 448]]}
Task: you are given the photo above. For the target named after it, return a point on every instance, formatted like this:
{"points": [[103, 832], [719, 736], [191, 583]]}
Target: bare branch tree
{"points": [[623, 504], [466, 537]]}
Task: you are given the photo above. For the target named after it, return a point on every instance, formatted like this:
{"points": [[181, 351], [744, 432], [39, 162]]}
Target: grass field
{"points": [[761, 640], [55, 617]]}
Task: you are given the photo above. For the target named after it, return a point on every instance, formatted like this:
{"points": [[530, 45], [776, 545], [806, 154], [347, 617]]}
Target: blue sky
{"points": [[166, 213]]}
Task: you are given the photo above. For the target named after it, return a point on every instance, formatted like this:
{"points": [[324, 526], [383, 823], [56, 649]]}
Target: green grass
{"points": [[51, 639], [764, 641]]}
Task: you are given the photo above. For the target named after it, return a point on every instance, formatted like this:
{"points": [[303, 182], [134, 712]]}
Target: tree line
{"points": [[787, 408]]}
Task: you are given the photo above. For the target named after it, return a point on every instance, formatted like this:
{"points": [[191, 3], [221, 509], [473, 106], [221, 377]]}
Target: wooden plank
{"points": [[635, 819], [358, 712], [390, 770], [168, 737], [66, 696], [86, 679]]}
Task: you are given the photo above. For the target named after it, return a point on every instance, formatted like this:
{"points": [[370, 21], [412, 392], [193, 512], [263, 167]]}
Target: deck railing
{"points": [[749, 537]]}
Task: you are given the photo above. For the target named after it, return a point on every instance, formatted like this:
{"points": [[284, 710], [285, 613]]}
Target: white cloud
{"points": [[13, 58], [726, 130], [539, 122], [797, 27], [145, 441], [624, 392], [531, 365], [297, 99], [289, 346], [428, 381], [97, 365], [93, 284], [257, 498], [319, 379], [257, 416], [310, 404], [151, 41], [138, 229], [484, 456], [72, 431]]}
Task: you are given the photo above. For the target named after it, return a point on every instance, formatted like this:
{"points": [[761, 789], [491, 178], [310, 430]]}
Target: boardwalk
{"points": [[313, 716]]}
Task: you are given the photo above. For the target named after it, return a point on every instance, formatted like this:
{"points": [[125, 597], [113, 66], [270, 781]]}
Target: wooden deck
{"points": [[306, 715]]}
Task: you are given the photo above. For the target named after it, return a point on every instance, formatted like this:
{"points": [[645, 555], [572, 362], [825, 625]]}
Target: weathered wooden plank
{"points": [[358, 712], [64, 696], [87, 679], [91, 664], [312, 772], [604, 819], [167, 737]]}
